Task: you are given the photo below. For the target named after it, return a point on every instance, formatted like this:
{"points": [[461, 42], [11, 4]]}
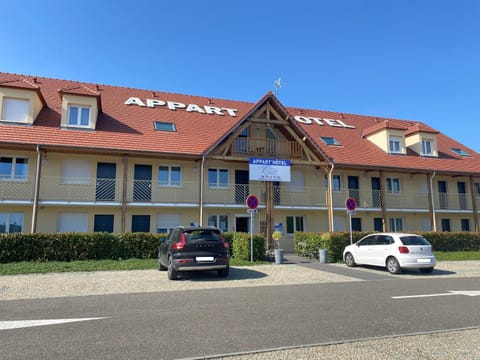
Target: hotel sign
{"points": [[269, 169], [222, 111]]}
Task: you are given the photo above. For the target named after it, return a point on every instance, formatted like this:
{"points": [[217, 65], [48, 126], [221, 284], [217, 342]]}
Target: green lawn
{"points": [[141, 264], [26, 267]]}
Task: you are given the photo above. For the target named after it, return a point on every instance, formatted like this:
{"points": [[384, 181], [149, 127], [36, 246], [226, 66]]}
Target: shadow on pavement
{"points": [[235, 274]]}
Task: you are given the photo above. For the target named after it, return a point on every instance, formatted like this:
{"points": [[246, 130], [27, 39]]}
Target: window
{"points": [[476, 187], [446, 225], [294, 223], [164, 126], [103, 223], [167, 222], [394, 144], [78, 116], [76, 171], [217, 178], [356, 224], [72, 222], [13, 168], [169, 176], [219, 221], [427, 147], [465, 224], [11, 222], [15, 109], [395, 224], [460, 152], [337, 183], [393, 185], [330, 140]]}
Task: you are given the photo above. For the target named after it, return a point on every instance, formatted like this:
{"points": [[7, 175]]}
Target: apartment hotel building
{"points": [[86, 157]]}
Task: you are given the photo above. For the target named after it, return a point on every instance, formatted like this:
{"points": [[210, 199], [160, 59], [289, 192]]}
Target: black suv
{"points": [[194, 248]]}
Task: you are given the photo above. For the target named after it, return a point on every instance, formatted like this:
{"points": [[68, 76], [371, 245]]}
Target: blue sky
{"points": [[412, 60]]}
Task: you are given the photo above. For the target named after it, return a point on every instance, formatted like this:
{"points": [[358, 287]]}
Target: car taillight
{"points": [[226, 245], [403, 250], [181, 244]]}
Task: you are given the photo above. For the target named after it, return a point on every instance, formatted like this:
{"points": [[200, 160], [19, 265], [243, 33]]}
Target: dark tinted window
{"points": [[414, 240], [210, 235], [367, 241]]}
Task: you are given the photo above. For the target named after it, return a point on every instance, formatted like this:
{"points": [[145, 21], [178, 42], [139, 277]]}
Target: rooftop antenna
{"points": [[277, 84]]}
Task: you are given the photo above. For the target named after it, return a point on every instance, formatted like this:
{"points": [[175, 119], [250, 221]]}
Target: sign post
{"points": [[351, 205], [252, 204]]}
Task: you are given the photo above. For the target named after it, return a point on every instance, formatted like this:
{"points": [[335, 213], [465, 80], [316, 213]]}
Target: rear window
{"points": [[209, 235], [414, 240]]}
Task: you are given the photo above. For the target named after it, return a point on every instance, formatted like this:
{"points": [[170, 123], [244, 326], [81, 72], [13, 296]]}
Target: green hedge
{"points": [[17, 247], [335, 242], [241, 246], [77, 246]]}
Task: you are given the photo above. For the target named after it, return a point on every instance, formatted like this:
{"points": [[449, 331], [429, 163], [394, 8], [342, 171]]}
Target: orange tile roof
{"points": [[129, 128]]}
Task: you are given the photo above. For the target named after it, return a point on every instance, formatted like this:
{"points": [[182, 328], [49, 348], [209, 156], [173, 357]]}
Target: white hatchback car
{"points": [[395, 251]]}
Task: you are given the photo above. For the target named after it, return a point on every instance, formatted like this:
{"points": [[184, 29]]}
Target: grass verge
{"points": [[37, 267]]}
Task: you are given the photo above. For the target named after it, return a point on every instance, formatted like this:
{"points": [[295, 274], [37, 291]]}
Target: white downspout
{"points": [[330, 197], [434, 225], [33, 228], [202, 170]]}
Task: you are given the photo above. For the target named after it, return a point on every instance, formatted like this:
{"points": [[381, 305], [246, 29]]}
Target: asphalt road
{"points": [[186, 324]]}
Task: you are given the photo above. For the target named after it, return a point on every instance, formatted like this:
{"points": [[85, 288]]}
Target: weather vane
{"points": [[277, 84]]}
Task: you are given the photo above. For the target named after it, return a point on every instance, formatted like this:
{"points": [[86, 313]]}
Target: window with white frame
{"points": [[15, 109], [13, 168], [72, 222], [169, 175], [167, 222], [295, 223], [76, 171], [393, 185], [297, 182], [395, 144], [11, 222], [427, 148], [219, 221], [217, 178], [78, 116], [395, 224]]}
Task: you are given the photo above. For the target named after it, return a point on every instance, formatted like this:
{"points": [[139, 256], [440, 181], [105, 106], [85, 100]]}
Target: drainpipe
{"points": [[202, 170], [36, 190], [330, 198], [434, 221]]}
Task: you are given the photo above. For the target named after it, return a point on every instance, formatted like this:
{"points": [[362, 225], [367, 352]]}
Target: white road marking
{"points": [[18, 324], [466, 292]]}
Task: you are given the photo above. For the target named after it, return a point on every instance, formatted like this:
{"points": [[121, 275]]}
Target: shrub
{"points": [[241, 246]]}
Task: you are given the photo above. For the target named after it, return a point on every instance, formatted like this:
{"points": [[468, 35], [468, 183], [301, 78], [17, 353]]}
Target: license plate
{"points": [[423, 261], [204, 258]]}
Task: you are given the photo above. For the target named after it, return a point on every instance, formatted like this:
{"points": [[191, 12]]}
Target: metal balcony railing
{"points": [[16, 189], [56, 188]]}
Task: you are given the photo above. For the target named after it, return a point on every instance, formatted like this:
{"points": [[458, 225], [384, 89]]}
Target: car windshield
{"points": [[413, 240], [208, 235]]}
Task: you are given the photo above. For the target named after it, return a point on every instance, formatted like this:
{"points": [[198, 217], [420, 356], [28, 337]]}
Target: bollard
{"points": [[323, 255]]}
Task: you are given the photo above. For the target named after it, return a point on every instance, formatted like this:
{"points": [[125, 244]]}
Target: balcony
{"points": [[20, 190], [251, 147], [55, 189]]}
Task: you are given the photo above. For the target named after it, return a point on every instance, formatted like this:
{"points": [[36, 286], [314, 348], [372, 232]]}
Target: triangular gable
{"points": [[268, 130]]}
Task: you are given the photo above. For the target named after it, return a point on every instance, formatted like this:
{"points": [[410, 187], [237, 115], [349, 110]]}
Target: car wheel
{"points": [[426, 270], [393, 266], [349, 260], [223, 272], [172, 273]]}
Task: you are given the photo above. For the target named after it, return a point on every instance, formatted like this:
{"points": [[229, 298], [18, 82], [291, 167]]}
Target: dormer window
{"points": [[78, 116], [427, 147], [15, 109], [395, 144]]}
